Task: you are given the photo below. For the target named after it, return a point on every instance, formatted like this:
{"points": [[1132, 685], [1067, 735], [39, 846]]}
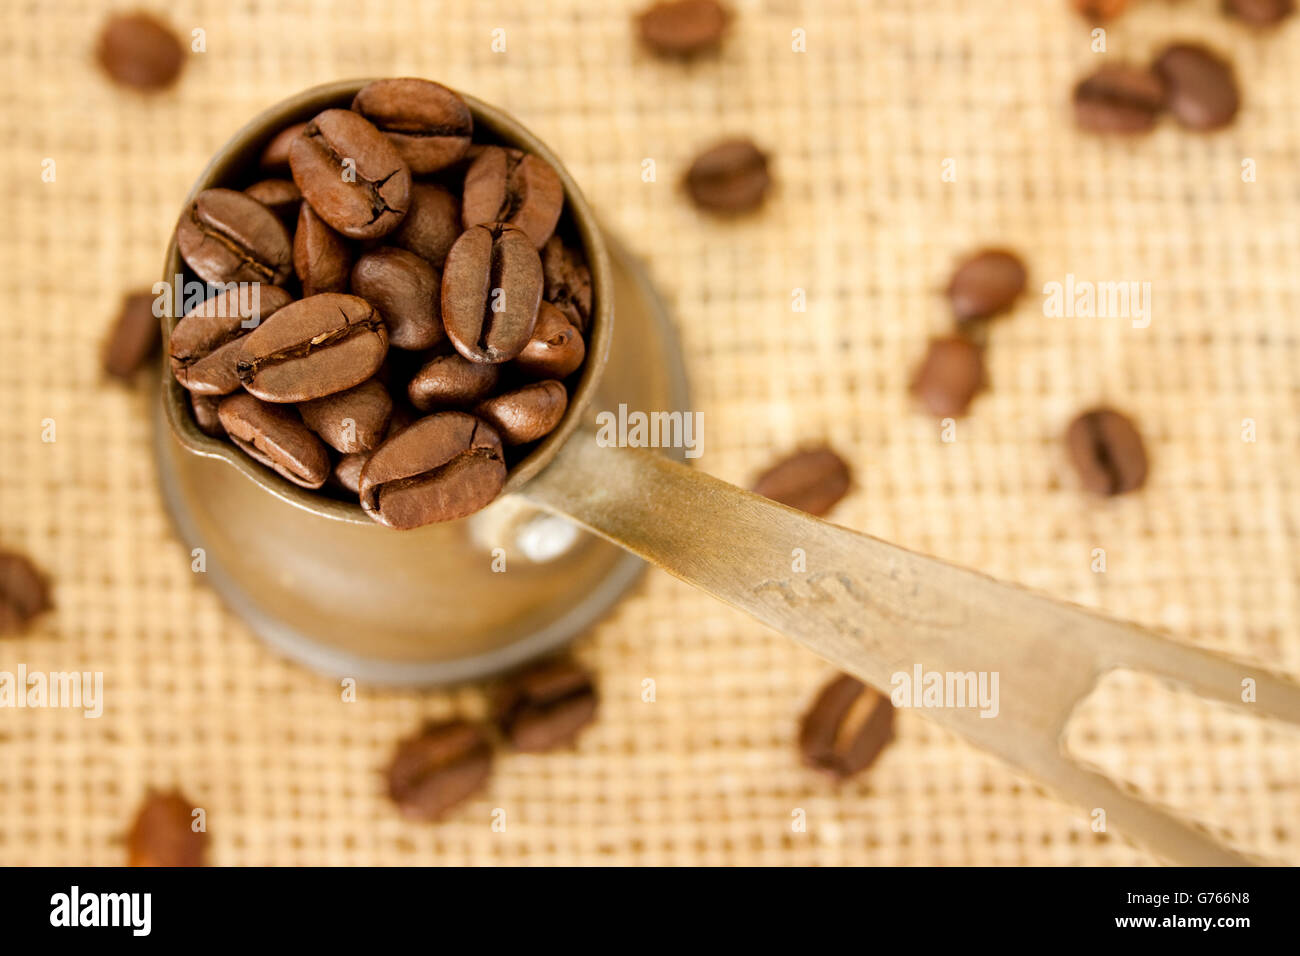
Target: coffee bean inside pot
{"points": [[812, 480], [730, 177], [491, 289], [509, 185], [275, 436], [556, 348], [275, 155], [1107, 451], [226, 236], [546, 706], [525, 414], [204, 408], [846, 728], [432, 224], [567, 282], [406, 290], [1119, 99], [986, 284], [24, 593], [438, 768], [451, 381], [205, 343], [1202, 88], [428, 123], [281, 196], [351, 421]]}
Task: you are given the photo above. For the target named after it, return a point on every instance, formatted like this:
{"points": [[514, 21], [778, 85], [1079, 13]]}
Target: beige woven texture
{"points": [[859, 126]]}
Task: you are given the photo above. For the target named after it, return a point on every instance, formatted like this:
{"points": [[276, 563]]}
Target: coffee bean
{"points": [[567, 282], [134, 338], [1201, 86], [429, 124], [812, 480], [275, 436], [321, 257], [1260, 13], [281, 196], [546, 706], [351, 174], [406, 290], [312, 348], [730, 177], [509, 185], [683, 27], [556, 348], [491, 289], [527, 413], [987, 283], [443, 467], [352, 421], [438, 768], [205, 343], [226, 236], [347, 470], [451, 381], [140, 51], [24, 593], [949, 376], [1119, 99], [1100, 9], [432, 224], [275, 157], [1107, 451], [204, 408], [846, 728], [164, 833]]}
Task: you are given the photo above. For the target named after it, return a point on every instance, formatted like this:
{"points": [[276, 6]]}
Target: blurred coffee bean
{"points": [[1119, 99], [546, 706], [730, 177], [491, 289], [350, 421], [134, 338], [275, 157], [281, 196], [812, 480], [321, 257], [205, 343], [406, 290], [567, 282], [438, 768], [164, 833], [525, 414], [1100, 9], [205, 408], [846, 728], [1202, 89], [986, 284], [451, 381], [226, 236], [683, 27], [556, 348], [1260, 13], [432, 224], [429, 124], [275, 436], [509, 185], [140, 51], [949, 376], [1107, 451], [24, 593]]}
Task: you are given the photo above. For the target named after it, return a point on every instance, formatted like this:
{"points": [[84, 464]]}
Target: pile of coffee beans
{"points": [[421, 312]]}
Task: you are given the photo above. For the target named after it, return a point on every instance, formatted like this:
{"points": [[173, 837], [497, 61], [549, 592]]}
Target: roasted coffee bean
{"points": [[429, 124], [1260, 13], [846, 728], [205, 343], [351, 174], [683, 27], [950, 376], [1100, 9], [556, 348], [134, 338], [352, 421], [24, 593], [491, 289], [432, 223], [226, 236], [275, 436], [312, 348], [451, 381], [204, 408], [567, 282], [347, 470], [731, 177], [546, 706], [407, 291], [987, 283], [321, 257], [525, 414], [275, 157], [164, 833], [1119, 99], [140, 51], [812, 480], [281, 196], [438, 768], [509, 185], [1201, 86], [1107, 451], [443, 467]]}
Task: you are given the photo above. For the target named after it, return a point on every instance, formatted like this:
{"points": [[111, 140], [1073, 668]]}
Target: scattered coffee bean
{"points": [[986, 284], [205, 408], [275, 436], [731, 177], [491, 290], [352, 421], [846, 728], [567, 282], [443, 467], [527, 413], [321, 257], [1202, 89], [451, 381], [281, 196], [140, 51], [1119, 99], [1107, 451], [134, 338], [432, 224], [438, 768], [24, 593], [683, 27], [275, 157], [1260, 13], [812, 480], [429, 124], [545, 707], [406, 290], [226, 236], [351, 173], [1100, 9], [312, 348], [556, 348], [950, 376], [163, 833], [508, 185], [205, 343]]}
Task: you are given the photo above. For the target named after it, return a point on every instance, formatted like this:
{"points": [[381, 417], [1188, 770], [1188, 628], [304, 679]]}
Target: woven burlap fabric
{"points": [[861, 127]]}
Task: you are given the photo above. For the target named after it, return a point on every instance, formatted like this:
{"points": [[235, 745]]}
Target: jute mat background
{"points": [[859, 127]]}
